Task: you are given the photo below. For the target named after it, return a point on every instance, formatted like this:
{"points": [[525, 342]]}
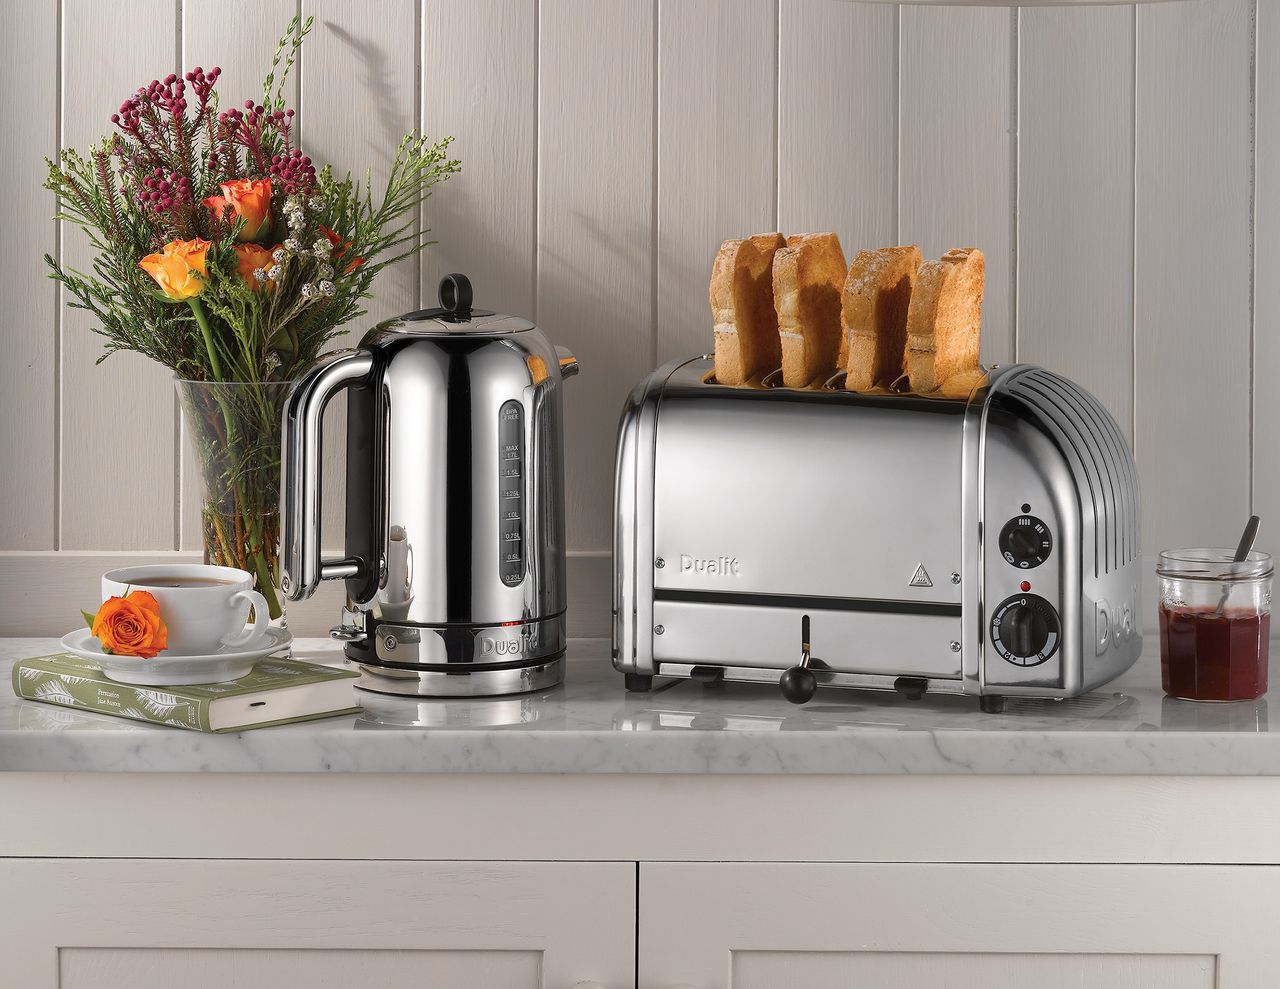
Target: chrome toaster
{"points": [[986, 545]]}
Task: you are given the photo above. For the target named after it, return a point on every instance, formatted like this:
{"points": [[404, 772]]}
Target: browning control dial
{"points": [[1025, 542], [1025, 630]]}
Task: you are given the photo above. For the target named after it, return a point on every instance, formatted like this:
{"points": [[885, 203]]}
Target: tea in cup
{"points": [[204, 607]]}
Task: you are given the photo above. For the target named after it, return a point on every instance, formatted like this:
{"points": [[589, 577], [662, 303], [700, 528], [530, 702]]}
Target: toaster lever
{"points": [[798, 684]]}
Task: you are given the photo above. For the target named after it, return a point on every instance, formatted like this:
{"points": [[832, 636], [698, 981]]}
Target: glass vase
{"points": [[235, 432]]}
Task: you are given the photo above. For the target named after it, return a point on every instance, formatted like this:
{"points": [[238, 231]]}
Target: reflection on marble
{"points": [[591, 725]]}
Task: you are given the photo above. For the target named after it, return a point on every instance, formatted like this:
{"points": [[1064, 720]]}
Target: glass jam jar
{"points": [[1215, 620]]}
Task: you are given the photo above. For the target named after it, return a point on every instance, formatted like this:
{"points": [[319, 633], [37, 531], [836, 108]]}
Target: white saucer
{"points": [[228, 663]]}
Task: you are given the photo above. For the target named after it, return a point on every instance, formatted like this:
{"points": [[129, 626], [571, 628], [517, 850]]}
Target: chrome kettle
{"points": [[455, 551]]}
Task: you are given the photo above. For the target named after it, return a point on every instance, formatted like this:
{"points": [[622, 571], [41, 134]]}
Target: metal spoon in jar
{"points": [[1242, 553]]}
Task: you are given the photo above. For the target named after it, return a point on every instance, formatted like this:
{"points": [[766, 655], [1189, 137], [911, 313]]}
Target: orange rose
{"points": [[341, 247], [250, 199], [180, 269], [131, 626], [249, 257]]}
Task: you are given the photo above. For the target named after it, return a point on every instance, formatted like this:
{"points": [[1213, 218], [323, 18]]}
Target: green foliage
{"points": [[245, 326]]}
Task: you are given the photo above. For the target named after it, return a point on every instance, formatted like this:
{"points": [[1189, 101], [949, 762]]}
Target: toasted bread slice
{"points": [[877, 294], [944, 320], [746, 326], [962, 383], [808, 275]]}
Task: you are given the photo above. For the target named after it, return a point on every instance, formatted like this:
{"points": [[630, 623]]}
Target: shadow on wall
{"points": [[375, 77]]}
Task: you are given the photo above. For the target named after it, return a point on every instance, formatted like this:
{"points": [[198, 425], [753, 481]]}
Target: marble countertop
{"points": [[591, 725]]}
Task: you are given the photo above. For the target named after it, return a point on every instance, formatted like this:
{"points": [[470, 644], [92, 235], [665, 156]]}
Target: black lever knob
{"points": [[798, 684]]}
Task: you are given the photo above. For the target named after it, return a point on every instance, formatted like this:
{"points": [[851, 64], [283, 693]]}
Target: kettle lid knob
{"points": [[455, 295]]}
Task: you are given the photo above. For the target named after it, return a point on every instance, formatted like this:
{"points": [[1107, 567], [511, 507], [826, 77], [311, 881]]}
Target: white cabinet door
{"points": [[204, 924], [771, 926]]}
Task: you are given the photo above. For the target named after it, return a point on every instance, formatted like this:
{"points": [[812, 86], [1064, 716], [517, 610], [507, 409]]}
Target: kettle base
{"points": [[460, 683]]}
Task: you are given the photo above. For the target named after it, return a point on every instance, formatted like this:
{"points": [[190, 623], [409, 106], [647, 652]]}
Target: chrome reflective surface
{"points": [[454, 493], [421, 645], [738, 511], [749, 484], [763, 636], [301, 568], [485, 683]]}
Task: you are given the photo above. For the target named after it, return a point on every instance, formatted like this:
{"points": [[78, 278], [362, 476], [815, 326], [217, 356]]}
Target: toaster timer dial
{"points": [[1025, 542], [1025, 630]]}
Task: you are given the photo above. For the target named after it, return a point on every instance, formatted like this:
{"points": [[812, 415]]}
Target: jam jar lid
{"points": [[1213, 563]]}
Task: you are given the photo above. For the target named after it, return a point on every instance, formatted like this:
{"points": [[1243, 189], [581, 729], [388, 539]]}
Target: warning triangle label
{"points": [[921, 577]]}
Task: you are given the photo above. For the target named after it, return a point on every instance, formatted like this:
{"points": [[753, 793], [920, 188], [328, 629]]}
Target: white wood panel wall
{"points": [[1104, 159]]}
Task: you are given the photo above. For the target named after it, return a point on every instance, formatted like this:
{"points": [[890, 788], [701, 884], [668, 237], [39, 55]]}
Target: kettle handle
{"points": [[301, 568]]}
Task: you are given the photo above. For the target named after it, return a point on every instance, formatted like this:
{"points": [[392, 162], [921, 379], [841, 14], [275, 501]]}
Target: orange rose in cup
{"points": [[130, 626], [250, 199], [250, 257], [180, 269]]}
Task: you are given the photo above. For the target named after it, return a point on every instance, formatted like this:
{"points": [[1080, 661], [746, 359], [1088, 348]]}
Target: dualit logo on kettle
{"points": [[489, 646], [718, 566]]}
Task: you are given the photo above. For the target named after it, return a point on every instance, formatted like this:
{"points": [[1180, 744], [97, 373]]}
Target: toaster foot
{"points": [[638, 681], [991, 704]]}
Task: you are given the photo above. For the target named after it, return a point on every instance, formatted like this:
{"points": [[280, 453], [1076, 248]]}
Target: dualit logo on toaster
{"points": [[719, 566]]}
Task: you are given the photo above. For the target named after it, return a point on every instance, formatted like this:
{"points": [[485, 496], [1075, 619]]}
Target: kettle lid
{"points": [[456, 315]]}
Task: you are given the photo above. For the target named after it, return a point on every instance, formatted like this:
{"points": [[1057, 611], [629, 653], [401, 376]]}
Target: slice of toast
{"points": [[944, 320], [746, 327], [877, 294], [962, 384], [808, 275]]}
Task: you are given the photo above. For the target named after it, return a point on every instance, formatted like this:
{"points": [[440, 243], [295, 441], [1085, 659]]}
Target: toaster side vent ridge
{"points": [[1099, 456]]}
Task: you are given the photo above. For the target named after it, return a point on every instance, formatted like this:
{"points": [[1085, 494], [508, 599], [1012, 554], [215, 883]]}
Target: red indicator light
{"points": [[1025, 585]]}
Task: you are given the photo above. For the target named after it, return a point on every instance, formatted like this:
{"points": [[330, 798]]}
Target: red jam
{"points": [[1208, 657]]}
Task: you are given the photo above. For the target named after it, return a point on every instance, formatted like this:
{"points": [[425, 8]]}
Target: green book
{"points": [[277, 692]]}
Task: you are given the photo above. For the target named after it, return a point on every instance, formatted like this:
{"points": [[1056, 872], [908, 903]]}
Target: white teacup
{"points": [[204, 607]]}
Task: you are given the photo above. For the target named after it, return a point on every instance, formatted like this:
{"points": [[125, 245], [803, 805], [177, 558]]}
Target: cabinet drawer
{"points": [[762, 926], [204, 924]]}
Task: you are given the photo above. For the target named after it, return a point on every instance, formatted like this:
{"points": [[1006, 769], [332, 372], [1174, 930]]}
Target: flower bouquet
{"points": [[223, 253]]}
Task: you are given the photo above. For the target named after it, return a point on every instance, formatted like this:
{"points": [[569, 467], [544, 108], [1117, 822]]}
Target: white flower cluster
{"points": [[322, 248], [317, 290], [294, 214]]}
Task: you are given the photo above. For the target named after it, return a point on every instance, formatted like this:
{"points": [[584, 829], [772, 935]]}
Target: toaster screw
{"points": [[659, 563], [955, 646], [955, 578], [659, 629]]}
